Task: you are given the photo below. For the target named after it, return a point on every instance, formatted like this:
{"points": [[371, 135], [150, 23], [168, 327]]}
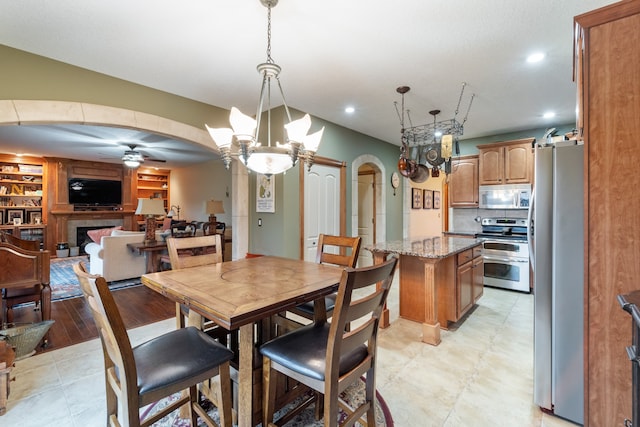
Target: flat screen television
{"points": [[95, 192]]}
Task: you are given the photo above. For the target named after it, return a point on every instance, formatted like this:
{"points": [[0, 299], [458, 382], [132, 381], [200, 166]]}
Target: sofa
{"points": [[112, 259]]}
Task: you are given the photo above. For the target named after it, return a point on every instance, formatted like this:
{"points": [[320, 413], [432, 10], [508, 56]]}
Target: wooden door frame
{"points": [[324, 161]]}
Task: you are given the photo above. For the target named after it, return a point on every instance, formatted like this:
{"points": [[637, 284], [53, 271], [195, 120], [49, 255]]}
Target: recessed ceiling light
{"points": [[349, 110], [535, 57], [549, 114]]}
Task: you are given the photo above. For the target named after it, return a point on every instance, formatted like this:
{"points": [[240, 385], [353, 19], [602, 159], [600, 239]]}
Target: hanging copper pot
{"points": [[406, 167]]}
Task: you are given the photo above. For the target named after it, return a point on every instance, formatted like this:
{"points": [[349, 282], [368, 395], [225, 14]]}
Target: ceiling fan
{"points": [[134, 158]]}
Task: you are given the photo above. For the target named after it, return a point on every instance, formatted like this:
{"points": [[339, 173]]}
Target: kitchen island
{"points": [[440, 279]]}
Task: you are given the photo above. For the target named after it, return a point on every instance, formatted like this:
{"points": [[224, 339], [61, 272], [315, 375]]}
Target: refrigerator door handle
{"points": [[532, 255]]}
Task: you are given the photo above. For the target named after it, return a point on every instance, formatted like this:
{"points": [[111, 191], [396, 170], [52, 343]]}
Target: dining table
{"points": [[243, 293]]}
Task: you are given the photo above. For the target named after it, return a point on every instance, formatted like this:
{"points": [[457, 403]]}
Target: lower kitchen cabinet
{"points": [[469, 279]]}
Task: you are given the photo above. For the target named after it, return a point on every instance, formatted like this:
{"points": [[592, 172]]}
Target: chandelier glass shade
{"points": [[241, 140]]}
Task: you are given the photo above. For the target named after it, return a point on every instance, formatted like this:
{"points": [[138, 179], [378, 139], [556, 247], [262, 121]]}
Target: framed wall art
{"points": [[15, 216], [436, 200], [265, 197], [427, 199], [34, 217], [416, 198]]}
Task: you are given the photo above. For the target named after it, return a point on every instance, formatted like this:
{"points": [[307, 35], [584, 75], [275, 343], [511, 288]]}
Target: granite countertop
{"points": [[426, 247]]}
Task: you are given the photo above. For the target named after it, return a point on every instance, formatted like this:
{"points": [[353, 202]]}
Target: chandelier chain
{"points": [[269, 59]]}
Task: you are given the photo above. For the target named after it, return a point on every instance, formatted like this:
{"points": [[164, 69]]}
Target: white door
{"points": [[366, 216], [321, 206]]}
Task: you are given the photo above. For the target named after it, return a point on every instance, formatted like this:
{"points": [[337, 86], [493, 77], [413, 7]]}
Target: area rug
{"points": [[64, 283], [353, 395]]}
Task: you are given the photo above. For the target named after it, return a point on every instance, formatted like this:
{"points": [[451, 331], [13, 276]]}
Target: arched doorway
{"points": [[373, 171]]}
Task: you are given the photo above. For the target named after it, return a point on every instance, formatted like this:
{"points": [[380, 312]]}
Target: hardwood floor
{"points": [[138, 306]]}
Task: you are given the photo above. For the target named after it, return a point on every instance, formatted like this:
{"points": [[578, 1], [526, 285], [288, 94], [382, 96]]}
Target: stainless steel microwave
{"points": [[512, 196]]}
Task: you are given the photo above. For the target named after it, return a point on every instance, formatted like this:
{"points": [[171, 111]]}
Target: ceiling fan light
{"points": [[297, 129], [131, 163], [244, 126]]}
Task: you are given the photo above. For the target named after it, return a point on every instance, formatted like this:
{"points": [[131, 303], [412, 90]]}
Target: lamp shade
{"points": [[243, 126], [214, 207], [223, 137], [150, 207], [297, 129]]}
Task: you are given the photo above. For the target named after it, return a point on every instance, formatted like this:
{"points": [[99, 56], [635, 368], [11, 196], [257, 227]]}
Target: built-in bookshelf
{"points": [[154, 183], [22, 192]]}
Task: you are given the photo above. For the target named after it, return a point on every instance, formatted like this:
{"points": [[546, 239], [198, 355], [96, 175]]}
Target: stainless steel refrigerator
{"points": [[556, 239]]}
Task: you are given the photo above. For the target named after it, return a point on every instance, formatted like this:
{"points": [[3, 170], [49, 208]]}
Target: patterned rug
{"points": [[353, 394], [64, 283]]}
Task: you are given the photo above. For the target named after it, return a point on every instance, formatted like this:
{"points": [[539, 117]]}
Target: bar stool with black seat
{"points": [[348, 249], [326, 357], [175, 361]]}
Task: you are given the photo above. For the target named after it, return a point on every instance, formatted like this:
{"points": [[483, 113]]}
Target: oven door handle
{"points": [[504, 259]]}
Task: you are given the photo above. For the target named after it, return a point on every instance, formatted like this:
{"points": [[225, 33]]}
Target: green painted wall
{"points": [[28, 76]]}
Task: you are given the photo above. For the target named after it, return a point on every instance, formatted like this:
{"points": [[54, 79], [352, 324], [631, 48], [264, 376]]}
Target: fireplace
{"points": [[82, 239]]}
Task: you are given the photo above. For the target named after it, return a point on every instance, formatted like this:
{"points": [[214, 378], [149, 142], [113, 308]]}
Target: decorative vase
{"points": [[62, 250]]}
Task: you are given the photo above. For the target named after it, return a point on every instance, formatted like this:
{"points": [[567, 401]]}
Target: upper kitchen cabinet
{"points": [[509, 162], [463, 182]]}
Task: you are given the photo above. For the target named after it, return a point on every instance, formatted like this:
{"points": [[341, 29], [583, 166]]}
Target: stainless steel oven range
{"points": [[505, 253]]}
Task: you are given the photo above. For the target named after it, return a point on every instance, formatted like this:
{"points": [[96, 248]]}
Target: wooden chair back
{"points": [[24, 277], [119, 363], [30, 245], [338, 250], [131, 379], [362, 294], [203, 250]]}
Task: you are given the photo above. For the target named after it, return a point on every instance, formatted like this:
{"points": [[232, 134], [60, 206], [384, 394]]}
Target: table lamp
{"points": [[214, 207], [150, 208]]}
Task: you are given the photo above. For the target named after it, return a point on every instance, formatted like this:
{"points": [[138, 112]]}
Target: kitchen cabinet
{"points": [[463, 182], [607, 60], [437, 280], [469, 277], [509, 162], [154, 183]]}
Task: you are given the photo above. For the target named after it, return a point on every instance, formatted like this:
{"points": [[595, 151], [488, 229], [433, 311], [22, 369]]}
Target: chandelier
{"points": [[428, 146], [271, 158]]}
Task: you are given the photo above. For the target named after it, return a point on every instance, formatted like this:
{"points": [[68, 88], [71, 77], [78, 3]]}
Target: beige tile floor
{"points": [[480, 375]]}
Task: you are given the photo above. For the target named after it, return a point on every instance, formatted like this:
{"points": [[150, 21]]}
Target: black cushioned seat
{"points": [[304, 350], [307, 307], [169, 359]]}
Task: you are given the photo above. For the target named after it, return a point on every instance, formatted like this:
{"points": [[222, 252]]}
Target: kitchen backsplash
{"points": [[464, 220]]}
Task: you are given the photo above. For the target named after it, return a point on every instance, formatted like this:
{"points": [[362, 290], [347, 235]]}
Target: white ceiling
{"points": [[333, 53]]}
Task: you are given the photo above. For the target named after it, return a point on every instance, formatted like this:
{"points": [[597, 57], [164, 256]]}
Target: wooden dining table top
{"points": [[243, 291]]}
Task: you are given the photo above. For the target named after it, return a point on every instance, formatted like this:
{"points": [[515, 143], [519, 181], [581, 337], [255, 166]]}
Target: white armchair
{"points": [[113, 260]]}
